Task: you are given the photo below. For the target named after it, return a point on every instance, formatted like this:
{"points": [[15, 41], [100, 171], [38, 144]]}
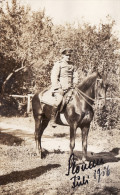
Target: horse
{"points": [[78, 112]]}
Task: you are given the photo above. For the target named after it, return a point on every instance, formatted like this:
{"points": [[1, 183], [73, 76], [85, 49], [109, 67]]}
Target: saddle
{"points": [[66, 99], [46, 97]]}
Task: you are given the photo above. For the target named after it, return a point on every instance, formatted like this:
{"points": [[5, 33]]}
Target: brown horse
{"points": [[78, 112]]}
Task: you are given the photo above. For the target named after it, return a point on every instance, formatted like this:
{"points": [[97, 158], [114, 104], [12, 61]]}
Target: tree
{"points": [[25, 39], [12, 52], [30, 44]]}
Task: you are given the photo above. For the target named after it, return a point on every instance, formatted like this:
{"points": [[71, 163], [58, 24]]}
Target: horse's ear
{"points": [[99, 75], [103, 77], [94, 69]]}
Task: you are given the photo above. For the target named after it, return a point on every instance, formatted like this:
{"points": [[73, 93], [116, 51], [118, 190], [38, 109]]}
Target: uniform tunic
{"points": [[63, 75]]}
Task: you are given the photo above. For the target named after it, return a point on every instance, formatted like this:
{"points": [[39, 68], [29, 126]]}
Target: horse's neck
{"points": [[88, 85], [88, 82], [91, 90]]}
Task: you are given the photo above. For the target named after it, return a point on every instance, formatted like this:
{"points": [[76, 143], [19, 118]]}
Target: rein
{"points": [[81, 93], [84, 96]]}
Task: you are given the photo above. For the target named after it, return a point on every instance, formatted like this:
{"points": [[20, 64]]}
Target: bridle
{"points": [[85, 97]]}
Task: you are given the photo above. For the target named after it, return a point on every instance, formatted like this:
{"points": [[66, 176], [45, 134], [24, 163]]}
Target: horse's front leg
{"points": [[73, 128], [85, 131], [40, 124]]}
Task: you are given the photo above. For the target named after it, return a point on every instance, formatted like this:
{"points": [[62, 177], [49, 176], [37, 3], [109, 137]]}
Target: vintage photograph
{"points": [[59, 97]]}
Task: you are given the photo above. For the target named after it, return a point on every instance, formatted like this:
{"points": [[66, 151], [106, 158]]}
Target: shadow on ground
{"points": [[60, 135], [101, 157], [45, 153], [10, 140], [17, 176], [108, 191], [105, 156]]}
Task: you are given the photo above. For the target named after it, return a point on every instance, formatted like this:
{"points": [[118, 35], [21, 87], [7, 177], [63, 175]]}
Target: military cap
{"points": [[66, 51]]}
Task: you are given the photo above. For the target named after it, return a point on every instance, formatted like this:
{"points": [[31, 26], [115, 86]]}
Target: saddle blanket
{"points": [[47, 97]]}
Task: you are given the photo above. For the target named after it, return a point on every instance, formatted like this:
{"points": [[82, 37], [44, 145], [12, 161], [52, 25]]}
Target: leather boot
{"points": [[53, 117]]}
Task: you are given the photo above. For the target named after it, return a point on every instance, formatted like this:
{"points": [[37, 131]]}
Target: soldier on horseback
{"points": [[63, 77]]}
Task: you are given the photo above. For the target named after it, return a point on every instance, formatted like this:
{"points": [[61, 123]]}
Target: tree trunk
{"points": [[12, 73], [8, 78], [4, 83]]}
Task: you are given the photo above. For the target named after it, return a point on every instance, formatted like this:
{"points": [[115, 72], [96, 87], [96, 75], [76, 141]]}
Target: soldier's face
{"points": [[67, 57]]}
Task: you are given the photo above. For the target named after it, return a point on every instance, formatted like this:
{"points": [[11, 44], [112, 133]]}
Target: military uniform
{"points": [[63, 77]]}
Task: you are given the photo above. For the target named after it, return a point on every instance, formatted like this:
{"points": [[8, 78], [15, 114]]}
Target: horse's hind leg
{"points": [[44, 124], [38, 120], [41, 123], [85, 131]]}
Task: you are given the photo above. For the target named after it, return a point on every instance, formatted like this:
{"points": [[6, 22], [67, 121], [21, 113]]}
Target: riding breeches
{"points": [[58, 94], [58, 99]]}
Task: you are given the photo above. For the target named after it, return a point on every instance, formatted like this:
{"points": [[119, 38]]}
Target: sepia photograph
{"points": [[59, 97]]}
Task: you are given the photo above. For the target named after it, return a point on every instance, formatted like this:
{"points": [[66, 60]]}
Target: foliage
{"points": [[30, 43], [24, 39], [108, 117]]}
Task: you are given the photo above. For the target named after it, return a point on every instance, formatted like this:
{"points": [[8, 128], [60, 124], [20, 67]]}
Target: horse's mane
{"points": [[88, 82]]}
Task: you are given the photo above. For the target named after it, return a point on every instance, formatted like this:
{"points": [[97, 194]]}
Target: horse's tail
{"points": [[36, 105]]}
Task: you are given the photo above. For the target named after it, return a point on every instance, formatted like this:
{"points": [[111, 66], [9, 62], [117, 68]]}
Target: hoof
{"points": [[44, 153], [85, 161], [39, 154], [79, 162]]}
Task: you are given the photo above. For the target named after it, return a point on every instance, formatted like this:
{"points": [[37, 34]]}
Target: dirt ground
{"points": [[22, 172]]}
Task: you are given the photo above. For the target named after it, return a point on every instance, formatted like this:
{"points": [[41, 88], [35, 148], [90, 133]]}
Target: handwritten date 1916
{"points": [[100, 173]]}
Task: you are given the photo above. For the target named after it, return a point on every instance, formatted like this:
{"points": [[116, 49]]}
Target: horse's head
{"points": [[101, 90], [95, 87]]}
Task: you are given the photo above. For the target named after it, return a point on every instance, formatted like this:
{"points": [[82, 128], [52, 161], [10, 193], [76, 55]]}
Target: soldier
{"points": [[63, 77]]}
